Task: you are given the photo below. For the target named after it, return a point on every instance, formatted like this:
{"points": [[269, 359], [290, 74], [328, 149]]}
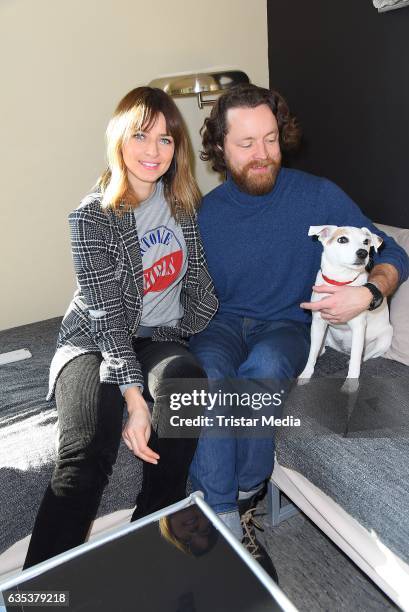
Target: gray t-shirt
{"points": [[164, 260]]}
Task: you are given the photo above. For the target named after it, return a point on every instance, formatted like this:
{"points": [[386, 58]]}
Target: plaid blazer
{"points": [[106, 309]]}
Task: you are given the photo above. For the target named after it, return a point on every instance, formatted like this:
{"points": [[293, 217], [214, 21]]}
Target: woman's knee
{"points": [[89, 423], [183, 366], [79, 375]]}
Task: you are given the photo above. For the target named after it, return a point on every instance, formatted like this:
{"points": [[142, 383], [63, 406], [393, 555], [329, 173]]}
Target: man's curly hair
{"points": [[247, 96]]}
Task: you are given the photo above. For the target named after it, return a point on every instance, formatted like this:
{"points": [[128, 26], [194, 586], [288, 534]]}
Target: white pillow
{"points": [[399, 306]]}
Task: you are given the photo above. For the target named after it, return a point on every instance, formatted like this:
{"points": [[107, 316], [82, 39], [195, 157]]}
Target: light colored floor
{"points": [[314, 573]]}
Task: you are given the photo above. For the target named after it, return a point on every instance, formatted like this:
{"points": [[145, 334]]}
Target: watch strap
{"points": [[377, 297]]}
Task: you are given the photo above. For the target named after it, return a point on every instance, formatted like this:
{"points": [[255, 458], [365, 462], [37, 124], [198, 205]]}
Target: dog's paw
{"points": [[303, 379], [351, 385], [306, 374]]}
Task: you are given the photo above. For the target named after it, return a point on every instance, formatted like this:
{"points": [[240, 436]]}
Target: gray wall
{"points": [[344, 70]]}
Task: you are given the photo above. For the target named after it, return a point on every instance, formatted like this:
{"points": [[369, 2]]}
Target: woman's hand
{"points": [[137, 430]]}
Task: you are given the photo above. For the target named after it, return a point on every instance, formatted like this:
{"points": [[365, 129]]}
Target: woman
{"points": [[189, 530], [143, 287]]}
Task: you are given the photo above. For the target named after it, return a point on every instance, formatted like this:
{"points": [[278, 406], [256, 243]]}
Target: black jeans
{"points": [[90, 424]]}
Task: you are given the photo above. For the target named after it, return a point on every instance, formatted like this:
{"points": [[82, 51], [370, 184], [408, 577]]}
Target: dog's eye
{"points": [[366, 241], [342, 239]]}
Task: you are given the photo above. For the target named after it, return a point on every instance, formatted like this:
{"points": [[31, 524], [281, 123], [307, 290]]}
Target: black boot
{"points": [[247, 509], [251, 502]]}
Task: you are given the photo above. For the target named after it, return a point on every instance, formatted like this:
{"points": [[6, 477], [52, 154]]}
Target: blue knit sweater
{"points": [[260, 256]]}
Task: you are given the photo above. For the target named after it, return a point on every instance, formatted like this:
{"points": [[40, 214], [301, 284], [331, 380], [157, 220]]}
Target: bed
{"points": [[346, 467]]}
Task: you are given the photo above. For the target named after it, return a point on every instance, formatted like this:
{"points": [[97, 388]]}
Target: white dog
{"points": [[369, 334]]}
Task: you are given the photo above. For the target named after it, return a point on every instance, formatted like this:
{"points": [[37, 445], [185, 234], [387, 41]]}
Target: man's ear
{"points": [[376, 240], [324, 232]]}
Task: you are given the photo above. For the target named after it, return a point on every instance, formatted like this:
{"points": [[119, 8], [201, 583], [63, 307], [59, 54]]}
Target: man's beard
{"points": [[253, 183]]}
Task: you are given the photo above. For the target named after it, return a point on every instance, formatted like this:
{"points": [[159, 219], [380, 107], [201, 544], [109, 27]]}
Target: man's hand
{"points": [[137, 430], [343, 303]]}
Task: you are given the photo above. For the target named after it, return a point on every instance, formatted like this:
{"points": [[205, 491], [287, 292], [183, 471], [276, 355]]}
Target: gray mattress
{"points": [[355, 450], [355, 447], [28, 434]]}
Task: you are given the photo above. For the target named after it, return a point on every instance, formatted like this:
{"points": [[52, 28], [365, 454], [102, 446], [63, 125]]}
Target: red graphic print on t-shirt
{"points": [[162, 245], [163, 273]]}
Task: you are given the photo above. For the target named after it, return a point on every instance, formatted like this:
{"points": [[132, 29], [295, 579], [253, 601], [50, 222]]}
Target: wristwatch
{"points": [[377, 297]]}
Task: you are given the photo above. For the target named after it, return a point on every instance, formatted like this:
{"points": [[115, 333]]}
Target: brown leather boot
{"points": [[247, 508]]}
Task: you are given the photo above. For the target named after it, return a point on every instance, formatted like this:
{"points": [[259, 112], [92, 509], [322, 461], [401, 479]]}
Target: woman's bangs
{"points": [[140, 119], [149, 116]]}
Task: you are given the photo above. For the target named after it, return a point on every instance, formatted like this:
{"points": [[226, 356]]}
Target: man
{"points": [[255, 233]]}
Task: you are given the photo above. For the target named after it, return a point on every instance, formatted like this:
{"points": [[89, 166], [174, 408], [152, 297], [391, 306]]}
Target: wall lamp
{"points": [[389, 5], [200, 83]]}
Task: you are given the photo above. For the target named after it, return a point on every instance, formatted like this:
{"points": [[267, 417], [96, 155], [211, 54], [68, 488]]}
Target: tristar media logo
{"points": [[165, 269]]}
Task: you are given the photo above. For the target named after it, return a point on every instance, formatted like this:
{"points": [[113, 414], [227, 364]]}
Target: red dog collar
{"points": [[330, 281]]}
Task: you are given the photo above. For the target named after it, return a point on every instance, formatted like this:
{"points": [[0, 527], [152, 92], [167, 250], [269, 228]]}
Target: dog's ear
{"points": [[322, 231], [376, 240]]}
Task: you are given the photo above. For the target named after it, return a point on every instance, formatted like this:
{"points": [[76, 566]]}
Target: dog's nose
{"points": [[361, 253]]}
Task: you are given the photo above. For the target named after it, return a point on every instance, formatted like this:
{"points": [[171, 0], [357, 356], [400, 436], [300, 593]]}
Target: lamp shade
{"points": [[200, 82]]}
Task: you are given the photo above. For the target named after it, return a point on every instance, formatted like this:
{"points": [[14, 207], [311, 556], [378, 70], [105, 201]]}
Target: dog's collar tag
{"points": [[330, 281]]}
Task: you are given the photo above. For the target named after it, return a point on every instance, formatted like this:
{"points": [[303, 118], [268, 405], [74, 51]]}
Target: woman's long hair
{"points": [[137, 111]]}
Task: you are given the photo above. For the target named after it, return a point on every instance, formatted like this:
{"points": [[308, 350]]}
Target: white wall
{"points": [[64, 66]]}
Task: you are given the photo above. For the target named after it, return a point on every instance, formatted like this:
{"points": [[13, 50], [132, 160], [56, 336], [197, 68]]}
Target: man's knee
{"points": [[268, 362], [219, 352], [282, 366], [215, 365]]}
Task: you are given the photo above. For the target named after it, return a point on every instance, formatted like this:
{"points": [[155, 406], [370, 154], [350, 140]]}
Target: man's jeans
{"points": [[243, 348]]}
